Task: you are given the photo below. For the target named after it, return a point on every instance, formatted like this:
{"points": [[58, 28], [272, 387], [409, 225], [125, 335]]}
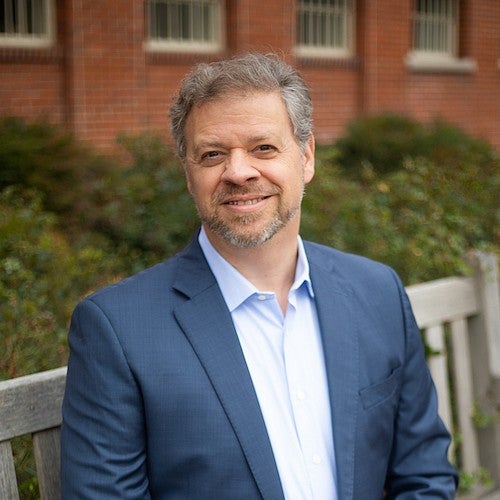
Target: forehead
{"points": [[242, 112]]}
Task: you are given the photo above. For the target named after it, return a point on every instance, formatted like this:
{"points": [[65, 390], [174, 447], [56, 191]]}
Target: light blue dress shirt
{"points": [[284, 355]]}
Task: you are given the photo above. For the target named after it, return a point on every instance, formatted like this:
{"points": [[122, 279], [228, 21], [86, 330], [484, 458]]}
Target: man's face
{"points": [[244, 168]]}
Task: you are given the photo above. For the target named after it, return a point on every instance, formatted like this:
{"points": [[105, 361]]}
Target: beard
{"points": [[238, 230]]}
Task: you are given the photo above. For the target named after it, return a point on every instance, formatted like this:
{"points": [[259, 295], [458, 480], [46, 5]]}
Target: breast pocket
{"points": [[381, 392]]}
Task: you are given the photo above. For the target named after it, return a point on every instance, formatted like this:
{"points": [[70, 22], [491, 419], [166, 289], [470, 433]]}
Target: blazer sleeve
{"points": [[419, 464], [103, 436]]}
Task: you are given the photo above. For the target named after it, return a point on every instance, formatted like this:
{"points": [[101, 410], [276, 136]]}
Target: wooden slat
{"points": [[439, 369], [484, 332], [489, 292], [46, 449], [443, 300], [464, 396], [8, 482], [31, 403]]}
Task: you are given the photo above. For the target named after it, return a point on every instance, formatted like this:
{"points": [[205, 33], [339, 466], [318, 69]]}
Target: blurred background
{"points": [[407, 120]]}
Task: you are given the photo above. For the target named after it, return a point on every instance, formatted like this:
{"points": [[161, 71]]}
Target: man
{"points": [[251, 365]]}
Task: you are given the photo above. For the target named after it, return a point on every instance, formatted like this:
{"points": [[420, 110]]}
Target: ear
{"points": [[309, 160], [187, 176]]}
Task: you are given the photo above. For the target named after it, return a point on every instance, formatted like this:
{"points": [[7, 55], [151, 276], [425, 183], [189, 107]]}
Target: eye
{"points": [[265, 150], [211, 158], [210, 154]]}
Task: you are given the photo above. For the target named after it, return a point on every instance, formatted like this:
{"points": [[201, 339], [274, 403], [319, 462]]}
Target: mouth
{"points": [[246, 201]]}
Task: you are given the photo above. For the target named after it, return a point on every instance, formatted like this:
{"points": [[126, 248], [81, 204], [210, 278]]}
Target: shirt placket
{"points": [[301, 395]]}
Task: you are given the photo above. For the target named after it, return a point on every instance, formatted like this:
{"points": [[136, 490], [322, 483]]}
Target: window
{"points": [[26, 22], [325, 28], [435, 27], [435, 38], [185, 25]]}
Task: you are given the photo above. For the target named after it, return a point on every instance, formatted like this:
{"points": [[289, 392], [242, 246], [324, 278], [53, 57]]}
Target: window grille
{"points": [[435, 27], [25, 22], [184, 24], [325, 26]]}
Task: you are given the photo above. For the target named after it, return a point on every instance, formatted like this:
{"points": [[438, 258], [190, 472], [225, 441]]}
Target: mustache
{"points": [[232, 190]]}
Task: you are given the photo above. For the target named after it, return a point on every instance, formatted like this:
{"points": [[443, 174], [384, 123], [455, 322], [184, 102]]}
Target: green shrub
{"points": [[379, 142], [150, 212], [42, 276], [449, 146], [69, 175], [383, 142], [136, 201], [421, 219]]}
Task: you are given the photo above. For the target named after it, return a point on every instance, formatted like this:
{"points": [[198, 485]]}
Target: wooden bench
{"points": [[32, 405], [460, 321]]}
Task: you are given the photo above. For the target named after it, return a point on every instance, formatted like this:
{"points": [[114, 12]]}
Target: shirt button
{"points": [[262, 297], [316, 459]]}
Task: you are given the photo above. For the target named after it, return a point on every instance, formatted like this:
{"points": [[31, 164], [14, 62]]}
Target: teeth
{"points": [[244, 202]]}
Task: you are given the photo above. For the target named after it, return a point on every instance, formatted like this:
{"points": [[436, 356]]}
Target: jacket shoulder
{"points": [[187, 265], [347, 266]]}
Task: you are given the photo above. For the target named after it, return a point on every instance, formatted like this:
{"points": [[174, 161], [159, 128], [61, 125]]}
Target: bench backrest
{"points": [[32, 405], [460, 320]]}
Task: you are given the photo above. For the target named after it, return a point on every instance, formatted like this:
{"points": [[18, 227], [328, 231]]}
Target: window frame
{"points": [[27, 40], [188, 46], [346, 50], [439, 60]]}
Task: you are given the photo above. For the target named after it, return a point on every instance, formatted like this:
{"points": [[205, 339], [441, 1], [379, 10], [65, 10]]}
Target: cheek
{"points": [[201, 187]]}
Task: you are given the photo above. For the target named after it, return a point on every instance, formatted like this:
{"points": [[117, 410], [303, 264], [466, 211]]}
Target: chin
{"points": [[250, 239]]}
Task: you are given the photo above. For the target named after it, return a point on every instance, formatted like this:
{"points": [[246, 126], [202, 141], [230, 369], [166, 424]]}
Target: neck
{"points": [[269, 267]]}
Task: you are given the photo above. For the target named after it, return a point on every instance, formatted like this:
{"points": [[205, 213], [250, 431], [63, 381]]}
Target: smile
{"points": [[252, 201]]}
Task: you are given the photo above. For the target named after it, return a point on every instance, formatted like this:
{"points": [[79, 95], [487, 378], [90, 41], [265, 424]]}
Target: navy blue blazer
{"points": [[159, 402]]}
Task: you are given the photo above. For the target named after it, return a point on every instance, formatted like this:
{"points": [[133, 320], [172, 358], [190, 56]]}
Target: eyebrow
{"points": [[206, 145], [216, 144]]}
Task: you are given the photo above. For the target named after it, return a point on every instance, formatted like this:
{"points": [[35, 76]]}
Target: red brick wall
{"points": [[107, 68], [32, 80], [334, 90], [31, 87], [100, 80], [471, 100]]}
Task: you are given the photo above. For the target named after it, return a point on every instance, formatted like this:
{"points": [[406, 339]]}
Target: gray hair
{"points": [[250, 72]]}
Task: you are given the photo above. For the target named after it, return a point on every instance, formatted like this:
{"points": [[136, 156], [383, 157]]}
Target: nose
{"points": [[238, 168]]}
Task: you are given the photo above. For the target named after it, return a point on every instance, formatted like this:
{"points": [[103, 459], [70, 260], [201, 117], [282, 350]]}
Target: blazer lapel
{"points": [[340, 343], [207, 323]]}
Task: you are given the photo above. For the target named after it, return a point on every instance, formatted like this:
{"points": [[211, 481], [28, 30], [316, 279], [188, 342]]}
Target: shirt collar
{"points": [[234, 286]]}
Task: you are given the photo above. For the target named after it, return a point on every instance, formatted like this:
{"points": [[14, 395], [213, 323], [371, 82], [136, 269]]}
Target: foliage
{"points": [[383, 142], [421, 219], [470, 480], [483, 418], [380, 142], [41, 278], [150, 212], [69, 175]]}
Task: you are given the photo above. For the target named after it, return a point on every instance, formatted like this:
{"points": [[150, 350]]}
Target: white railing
{"points": [[460, 321]]}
